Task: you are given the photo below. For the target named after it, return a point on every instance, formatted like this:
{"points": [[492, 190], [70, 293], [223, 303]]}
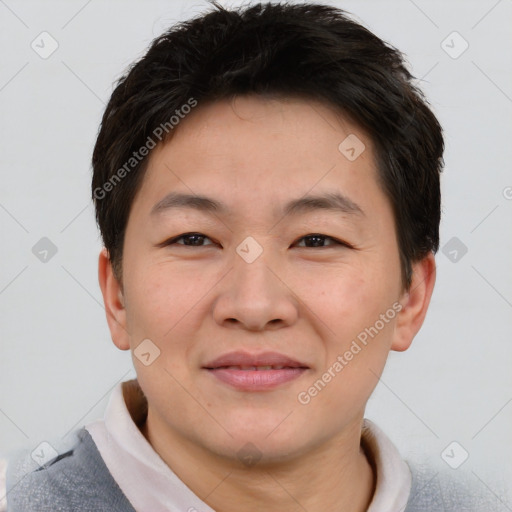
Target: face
{"points": [[290, 260]]}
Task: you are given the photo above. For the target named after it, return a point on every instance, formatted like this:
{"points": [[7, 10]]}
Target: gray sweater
{"points": [[79, 481]]}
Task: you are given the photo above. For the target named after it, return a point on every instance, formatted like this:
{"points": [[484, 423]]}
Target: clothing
{"points": [[77, 480], [112, 467], [148, 481]]}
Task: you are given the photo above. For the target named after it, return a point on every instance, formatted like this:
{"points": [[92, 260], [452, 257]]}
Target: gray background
{"points": [[57, 362]]}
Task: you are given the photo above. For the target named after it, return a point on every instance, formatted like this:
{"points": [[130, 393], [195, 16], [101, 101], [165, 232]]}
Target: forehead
{"points": [[252, 148], [286, 122]]}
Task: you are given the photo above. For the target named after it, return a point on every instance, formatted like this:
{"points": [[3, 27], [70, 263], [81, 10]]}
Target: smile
{"points": [[254, 368], [262, 371]]}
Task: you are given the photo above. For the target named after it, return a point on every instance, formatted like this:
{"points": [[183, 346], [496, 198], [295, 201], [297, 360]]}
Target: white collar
{"points": [[394, 477], [149, 484]]}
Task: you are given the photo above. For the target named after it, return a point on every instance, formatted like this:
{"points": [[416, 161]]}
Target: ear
{"points": [[415, 302], [114, 302]]}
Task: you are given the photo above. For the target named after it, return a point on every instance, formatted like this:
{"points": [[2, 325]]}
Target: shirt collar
{"points": [[394, 478], [149, 484]]}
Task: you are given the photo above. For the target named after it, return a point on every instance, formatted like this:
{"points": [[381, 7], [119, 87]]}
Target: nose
{"points": [[255, 297]]}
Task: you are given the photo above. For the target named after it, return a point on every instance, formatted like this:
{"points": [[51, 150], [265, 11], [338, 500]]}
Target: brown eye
{"points": [[189, 240], [318, 240]]}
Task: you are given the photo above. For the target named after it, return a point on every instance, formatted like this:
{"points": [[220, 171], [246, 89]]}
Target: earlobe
{"points": [[114, 301], [415, 302]]}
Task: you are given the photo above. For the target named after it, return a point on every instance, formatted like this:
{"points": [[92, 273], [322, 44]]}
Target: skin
{"points": [[198, 302]]}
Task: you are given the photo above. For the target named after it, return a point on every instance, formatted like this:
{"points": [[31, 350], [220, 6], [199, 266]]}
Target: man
{"points": [[266, 183]]}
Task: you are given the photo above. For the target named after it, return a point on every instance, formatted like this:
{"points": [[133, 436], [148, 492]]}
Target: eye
{"points": [[318, 240], [313, 240], [189, 239]]}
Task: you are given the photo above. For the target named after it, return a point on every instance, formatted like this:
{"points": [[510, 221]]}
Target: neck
{"points": [[335, 476]]}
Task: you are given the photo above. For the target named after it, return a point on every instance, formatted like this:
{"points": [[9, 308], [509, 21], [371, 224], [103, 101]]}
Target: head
{"points": [[279, 122]]}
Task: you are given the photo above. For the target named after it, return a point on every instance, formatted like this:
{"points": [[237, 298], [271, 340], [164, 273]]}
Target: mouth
{"points": [[255, 372], [252, 368]]}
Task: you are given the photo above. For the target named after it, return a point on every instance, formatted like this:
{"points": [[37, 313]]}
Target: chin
{"points": [[273, 441], [251, 450]]}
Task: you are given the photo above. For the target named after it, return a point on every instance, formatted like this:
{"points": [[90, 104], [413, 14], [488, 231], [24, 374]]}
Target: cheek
{"points": [[343, 298], [348, 306], [157, 299], [168, 302], [161, 310]]}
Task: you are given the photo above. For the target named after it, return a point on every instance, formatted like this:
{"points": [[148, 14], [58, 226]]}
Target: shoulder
{"points": [[77, 480], [453, 491]]}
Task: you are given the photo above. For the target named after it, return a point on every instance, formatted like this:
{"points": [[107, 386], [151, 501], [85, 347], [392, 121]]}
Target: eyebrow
{"points": [[330, 201]]}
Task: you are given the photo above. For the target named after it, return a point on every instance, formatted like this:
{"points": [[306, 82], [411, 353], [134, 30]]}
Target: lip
{"points": [[241, 358], [253, 379]]}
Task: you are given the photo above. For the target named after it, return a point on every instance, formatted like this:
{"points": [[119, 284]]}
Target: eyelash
{"points": [[173, 241]]}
